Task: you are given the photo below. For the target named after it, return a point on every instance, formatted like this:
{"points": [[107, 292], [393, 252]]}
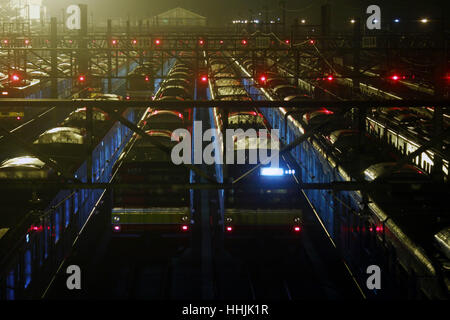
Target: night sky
{"points": [[226, 10]]}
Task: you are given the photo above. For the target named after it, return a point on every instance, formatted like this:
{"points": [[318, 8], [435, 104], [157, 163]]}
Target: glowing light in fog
{"points": [[272, 171]]}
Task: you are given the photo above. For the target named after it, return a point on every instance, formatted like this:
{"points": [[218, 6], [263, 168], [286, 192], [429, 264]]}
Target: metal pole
{"points": [[54, 58], [109, 39]]}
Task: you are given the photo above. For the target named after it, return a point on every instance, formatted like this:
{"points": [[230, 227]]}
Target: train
{"points": [[402, 230], [39, 223], [163, 210], [266, 202]]}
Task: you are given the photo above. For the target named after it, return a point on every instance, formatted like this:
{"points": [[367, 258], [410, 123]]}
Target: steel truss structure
{"points": [[113, 109]]}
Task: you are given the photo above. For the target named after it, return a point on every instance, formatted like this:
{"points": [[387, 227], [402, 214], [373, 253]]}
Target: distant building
{"points": [[179, 17]]}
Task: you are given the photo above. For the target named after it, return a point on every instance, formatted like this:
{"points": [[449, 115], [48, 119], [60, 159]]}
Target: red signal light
{"points": [[287, 41], [263, 79], [297, 229], [134, 41], [184, 228], [81, 78], [157, 42], [229, 228], [201, 42], [312, 41], [395, 77], [147, 78], [244, 42], [330, 78], [204, 79], [114, 42], [15, 77]]}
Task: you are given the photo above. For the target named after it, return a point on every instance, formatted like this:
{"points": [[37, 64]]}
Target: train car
{"points": [[163, 210]]}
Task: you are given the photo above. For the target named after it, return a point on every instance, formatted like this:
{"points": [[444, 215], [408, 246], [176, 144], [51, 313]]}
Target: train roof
{"points": [[231, 91], [66, 135], [80, 114], [406, 171], [24, 167]]}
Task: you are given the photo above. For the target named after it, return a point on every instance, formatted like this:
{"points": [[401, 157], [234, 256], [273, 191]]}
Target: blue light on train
{"points": [[272, 171], [289, 171]]}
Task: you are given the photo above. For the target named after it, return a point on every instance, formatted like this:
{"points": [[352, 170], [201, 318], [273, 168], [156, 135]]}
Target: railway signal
{"points": [[82, 80], [15, 78], [262, 79]]}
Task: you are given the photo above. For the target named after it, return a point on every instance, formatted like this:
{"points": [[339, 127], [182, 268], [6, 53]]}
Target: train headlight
{"points": [[116, 219], [269, 171]]}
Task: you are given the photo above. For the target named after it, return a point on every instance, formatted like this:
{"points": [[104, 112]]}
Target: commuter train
{"points": [[267, 201], [406, 129], [403, 229], [39, 223], [161, 210]]}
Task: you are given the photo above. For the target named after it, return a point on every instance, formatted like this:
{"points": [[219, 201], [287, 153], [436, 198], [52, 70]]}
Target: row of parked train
{"points": [[30, 81], [38, 223], [403, 229], [406, 129]]}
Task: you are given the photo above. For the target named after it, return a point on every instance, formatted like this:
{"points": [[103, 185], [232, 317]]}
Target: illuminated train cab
{"points": [[403, 227], [39, 225], [160, 210], [268, 202]]}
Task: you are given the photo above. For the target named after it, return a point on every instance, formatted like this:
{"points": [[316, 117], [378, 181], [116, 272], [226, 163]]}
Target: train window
{"points": [[67, 213], [46, 238], [10, 285], [75, 202], [57, 224], [27, 268]]}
